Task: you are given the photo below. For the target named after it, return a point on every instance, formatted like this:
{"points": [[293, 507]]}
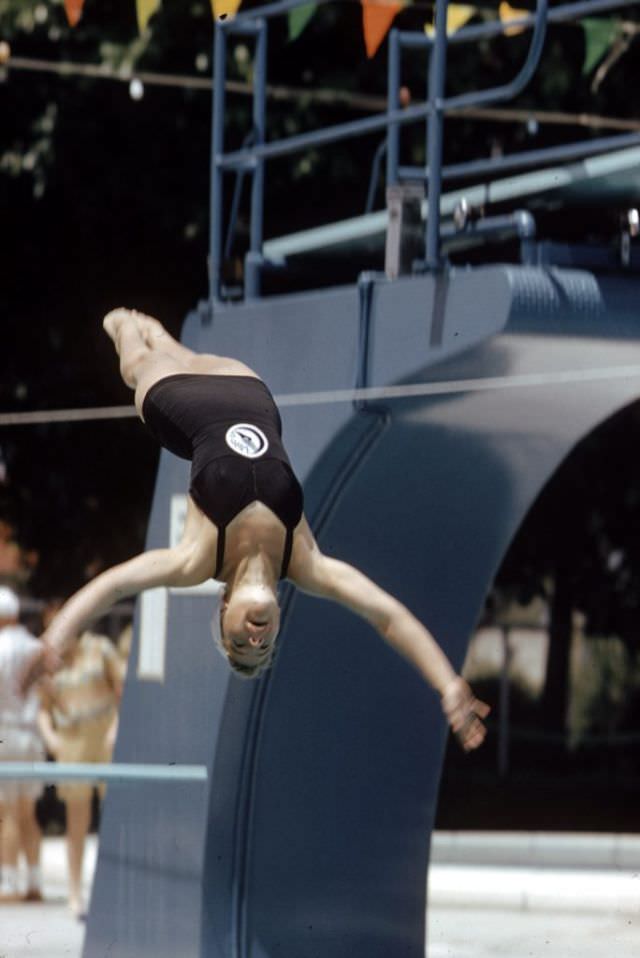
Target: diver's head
{"points": [[249, 624]]}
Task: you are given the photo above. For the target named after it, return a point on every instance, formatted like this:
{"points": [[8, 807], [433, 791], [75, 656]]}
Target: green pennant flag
{"points": [[299, 18], [599, 36]]}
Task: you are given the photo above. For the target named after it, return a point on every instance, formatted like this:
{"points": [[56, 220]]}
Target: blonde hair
{"points": [[241, 669], [248, 671]]}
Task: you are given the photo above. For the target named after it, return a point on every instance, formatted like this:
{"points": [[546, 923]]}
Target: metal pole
{"points": [[52, 772], [253, 260], [526, 159], [329, 134], [508, 91], [366, 287], [503, 724], [435, 127], [375, 175], [217, 173], [393, 104]]}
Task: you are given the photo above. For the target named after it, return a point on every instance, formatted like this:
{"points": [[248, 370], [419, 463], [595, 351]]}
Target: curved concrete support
{"points": [[313, 838]]}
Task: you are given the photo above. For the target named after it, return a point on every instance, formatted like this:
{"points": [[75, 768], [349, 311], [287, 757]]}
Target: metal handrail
{"points": [[252, 159], [510, 90], [544, 156], [329, 134], [381, 149], [437, 75]]}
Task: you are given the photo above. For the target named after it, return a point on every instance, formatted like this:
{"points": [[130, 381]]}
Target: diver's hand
{"points": [[464, 714]]}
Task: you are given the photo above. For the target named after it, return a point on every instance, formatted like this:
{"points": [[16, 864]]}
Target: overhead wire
{"points": [[453, 387], [323, 96]]}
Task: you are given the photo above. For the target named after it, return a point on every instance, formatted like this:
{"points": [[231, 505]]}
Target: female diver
{"points": [[245, 524]]}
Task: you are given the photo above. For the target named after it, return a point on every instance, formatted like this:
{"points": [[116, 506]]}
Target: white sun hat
{"points": [[9, 603]]}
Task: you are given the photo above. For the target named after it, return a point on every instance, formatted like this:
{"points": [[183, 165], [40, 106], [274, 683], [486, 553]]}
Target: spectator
{"points": [[19, 742], [78, 720]]}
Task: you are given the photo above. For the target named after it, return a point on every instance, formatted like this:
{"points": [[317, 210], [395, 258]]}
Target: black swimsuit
{"points": [[230, 428]]}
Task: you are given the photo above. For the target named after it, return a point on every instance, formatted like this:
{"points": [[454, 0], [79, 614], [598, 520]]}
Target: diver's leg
{"points": [[129, 344], [141, 363], [148, 353]]}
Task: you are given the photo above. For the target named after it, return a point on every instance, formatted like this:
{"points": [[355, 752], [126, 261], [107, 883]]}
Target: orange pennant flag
{"points": [[73, 10], [222, 9], [377, 17]]}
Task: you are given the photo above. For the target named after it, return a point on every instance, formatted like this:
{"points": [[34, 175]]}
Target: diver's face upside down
{"points": [[250, 622]]}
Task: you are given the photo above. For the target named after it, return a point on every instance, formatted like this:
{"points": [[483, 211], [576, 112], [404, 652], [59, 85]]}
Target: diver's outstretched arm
{"points": [[330, 578], [178, 566]]}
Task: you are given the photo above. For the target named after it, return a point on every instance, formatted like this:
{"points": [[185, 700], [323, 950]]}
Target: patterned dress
{"points": [[20, 739], [82, 699]]}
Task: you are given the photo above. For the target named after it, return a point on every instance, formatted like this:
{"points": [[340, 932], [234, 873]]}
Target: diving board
{"points": [[606, 179]]}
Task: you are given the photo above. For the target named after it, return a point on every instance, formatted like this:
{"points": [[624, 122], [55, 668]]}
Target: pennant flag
{"points": [[145, 9], [73, 10], [223, 9], [299, 18], [599, 35], [377, 17], [457, 15], [506, 12]]}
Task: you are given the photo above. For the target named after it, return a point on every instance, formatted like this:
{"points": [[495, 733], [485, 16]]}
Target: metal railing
{"points": [[251, 158]]}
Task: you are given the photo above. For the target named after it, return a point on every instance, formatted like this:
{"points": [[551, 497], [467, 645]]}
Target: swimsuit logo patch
{"points": [[247, 440]]}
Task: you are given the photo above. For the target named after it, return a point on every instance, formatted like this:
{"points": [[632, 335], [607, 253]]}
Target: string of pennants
{"points": [[378, 15]]}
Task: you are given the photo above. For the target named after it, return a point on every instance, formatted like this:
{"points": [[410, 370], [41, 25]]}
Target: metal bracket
{"points": [[405, 236]]}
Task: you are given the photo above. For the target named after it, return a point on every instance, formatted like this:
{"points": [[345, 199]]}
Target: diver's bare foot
{"points": [[114, 320], [151, 330]]}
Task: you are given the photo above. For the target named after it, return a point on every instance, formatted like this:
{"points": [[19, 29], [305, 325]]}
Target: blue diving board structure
{"points": [[424, 407]]}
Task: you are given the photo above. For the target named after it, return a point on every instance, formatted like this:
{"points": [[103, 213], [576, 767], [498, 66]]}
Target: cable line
{"points": [[561, 377]]}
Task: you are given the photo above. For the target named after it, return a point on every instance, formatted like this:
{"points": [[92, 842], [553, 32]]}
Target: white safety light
{"points": [[136, 89]]}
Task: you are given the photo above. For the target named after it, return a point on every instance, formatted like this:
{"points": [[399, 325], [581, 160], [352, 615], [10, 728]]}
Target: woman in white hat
{"points": [[19, 742]]}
